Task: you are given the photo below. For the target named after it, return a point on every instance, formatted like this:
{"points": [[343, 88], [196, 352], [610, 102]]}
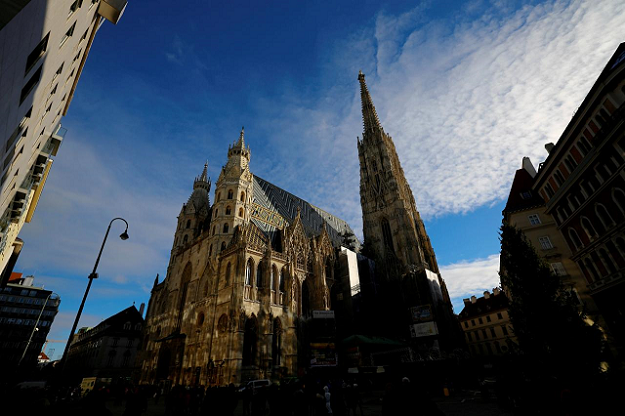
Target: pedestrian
{"points": [[326, 389]]}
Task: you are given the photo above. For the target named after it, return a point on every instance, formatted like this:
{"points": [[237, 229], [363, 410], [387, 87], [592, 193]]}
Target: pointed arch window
{"points": [[281, 280], [230, 194], [242, 196], [590, 266], [604, 215], [620, 246], [259, 275], [588, 227], [185, 239], [575, 238], [218, 196], [188, 224], [228, 210], [228, 271], [210, 250], [386, 234], [607, 260], [248, 272], [225, 228], [276, 343], [216, 213], [223, 246], [241, 212], [619, 198]]}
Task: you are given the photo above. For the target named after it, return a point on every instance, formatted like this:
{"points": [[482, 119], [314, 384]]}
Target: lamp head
{"points": [[124, 235]]}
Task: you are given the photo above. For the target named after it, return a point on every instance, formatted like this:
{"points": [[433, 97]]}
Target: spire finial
{"points": [[241, 141], [370, 118]]}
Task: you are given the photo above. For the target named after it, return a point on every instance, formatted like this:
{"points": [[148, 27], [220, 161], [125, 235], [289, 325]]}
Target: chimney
{"points": [[466, 301], [473, 299], [141, 308], [495, 291], [549, 146], [528, 166], [486, 294]]}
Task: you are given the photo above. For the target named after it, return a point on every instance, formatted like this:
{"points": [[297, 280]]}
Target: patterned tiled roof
{"points": [[273, 199]]}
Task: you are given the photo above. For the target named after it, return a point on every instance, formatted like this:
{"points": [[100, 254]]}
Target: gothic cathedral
{"points": [[242, 272], [247, 269]]}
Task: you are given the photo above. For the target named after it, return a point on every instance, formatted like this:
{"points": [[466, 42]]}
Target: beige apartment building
{"points": [[526, 210], [486, 324], [43, 48]]}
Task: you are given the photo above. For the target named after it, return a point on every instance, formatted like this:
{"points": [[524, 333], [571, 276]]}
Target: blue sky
{"points": [[466, 89]]}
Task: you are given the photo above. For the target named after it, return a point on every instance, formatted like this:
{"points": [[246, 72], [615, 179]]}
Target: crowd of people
{"points": [[300, 398]]}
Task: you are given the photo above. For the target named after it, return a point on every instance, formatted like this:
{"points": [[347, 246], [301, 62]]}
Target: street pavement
{"points": [[467, 403]]}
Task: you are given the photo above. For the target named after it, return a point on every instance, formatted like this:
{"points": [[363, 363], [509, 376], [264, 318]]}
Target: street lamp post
{"points": [[35, 328], [93, 275]]}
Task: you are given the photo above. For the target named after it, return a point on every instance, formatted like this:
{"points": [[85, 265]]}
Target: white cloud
{"points": [[464, 101], [471, 277]]}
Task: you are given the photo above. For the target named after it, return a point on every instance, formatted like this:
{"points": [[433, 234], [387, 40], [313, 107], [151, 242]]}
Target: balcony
{"points": [[112, 10]]}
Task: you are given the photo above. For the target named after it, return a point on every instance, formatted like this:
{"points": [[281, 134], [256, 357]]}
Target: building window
{"points": [[604, 215], [588, 227], [200, 319], [241, 212], [36, 53], [505, 330], [526, 195], [484, 334], [477, 335], [619, 198], [230, 194], [534, 219], [259, 275], [228, 210], [386, 234], [549, 190], [248, 272], [558, 177], [28, 87], [480, 321], [472, 322], [492, 332], [281, 280], [590, 266], [225, 228], [68, 34], [558, 269], [218, 196], [469, 336], [487, 318], [223, 246], [242, 196], [545, 242], [577, 243], [188, 224], [607, 260], [75, 6], [466, 324]]}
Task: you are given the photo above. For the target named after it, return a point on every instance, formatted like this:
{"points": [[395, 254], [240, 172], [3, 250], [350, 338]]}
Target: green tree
{"points": [[552, 333]]}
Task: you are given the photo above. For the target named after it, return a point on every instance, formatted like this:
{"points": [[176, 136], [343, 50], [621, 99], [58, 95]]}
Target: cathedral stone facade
{"points": [[242, 272], [246, 272]]}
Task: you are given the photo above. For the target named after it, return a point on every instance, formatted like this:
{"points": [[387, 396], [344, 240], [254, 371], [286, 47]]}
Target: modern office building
{"points": [[45, 44], [582, 182], [26, 315]]}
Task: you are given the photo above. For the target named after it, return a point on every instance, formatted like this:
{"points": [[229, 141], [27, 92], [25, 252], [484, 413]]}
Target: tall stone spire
{"points": [[370, 120], [392, 224]]}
